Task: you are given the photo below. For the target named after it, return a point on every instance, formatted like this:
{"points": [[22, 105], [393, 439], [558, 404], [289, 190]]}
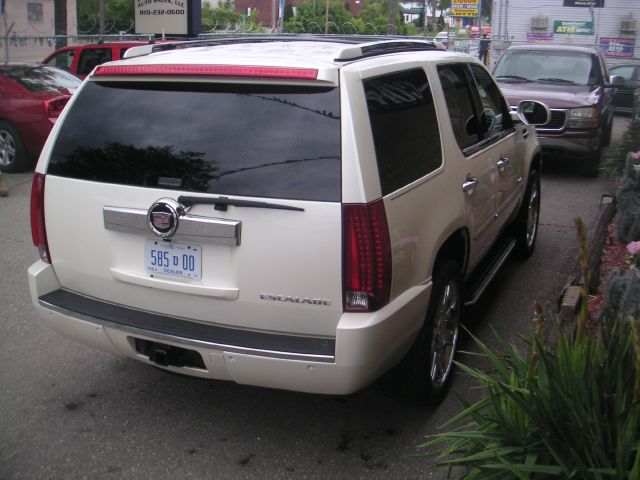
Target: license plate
{"points": [[175, 259]]}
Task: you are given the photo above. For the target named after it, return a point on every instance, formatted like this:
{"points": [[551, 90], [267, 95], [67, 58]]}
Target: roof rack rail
{"points": [[360, 46], [373, 49]]}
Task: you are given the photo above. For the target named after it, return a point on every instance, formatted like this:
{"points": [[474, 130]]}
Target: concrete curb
{"points": [[3, 189], [571, 296]]}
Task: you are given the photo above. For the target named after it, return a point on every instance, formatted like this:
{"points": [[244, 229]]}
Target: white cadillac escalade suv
{"points": [[301, 213]]}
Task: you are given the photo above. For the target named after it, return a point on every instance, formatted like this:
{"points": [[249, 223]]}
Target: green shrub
{"points": [[567, 411], [629, 202], [567, 408], [615, 156]]}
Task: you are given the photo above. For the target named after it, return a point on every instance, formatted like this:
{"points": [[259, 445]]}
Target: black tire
{"points": [[606, 137], [426, 371], [591, 165], [13, 155], [525, 226]]}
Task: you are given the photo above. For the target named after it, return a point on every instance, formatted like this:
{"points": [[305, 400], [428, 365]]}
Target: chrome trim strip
{"points": [[111, 316], [562, 127], [192, 228]]}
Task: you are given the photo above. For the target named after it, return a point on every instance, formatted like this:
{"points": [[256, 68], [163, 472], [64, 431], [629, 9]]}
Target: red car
{"points": [[81, 59], [31, 99]]}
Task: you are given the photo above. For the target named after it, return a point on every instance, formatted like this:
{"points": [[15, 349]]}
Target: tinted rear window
{"points": [[405, 128], [277, 142]]}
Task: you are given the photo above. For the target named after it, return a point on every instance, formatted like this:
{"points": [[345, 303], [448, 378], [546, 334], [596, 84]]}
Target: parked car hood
{"points": [[552, 94]]}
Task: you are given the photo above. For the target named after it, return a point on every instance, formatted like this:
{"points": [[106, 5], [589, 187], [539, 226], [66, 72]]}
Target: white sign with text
{"points": [[162, 16]]}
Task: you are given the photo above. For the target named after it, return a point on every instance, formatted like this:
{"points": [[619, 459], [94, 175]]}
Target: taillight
{"points": [[53, 107], [38, 231], [209, 71], [366, 271]]}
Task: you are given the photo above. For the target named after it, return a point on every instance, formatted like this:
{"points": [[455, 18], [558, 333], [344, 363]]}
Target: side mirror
{"points": [[533, 112], [616, 81], [472, 126]]}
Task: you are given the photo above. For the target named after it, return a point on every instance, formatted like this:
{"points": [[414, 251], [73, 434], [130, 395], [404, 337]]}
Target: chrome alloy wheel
{"points": [[445, 334], [7, 148], [533, 211]]}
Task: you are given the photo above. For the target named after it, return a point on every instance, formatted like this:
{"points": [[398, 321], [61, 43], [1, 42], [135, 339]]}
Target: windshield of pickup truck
{"points": [[561, 67]]}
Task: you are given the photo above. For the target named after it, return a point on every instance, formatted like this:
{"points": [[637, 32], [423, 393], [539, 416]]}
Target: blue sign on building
{"points": [[616, 47]]}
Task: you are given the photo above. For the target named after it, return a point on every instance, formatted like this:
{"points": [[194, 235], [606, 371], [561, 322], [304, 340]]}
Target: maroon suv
{"points": [[573, 82]]}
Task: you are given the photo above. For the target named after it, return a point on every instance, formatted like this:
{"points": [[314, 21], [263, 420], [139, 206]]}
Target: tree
{"points": [[217, 18], [119, 16], [376, 15], [288, 12], [306, 20]]}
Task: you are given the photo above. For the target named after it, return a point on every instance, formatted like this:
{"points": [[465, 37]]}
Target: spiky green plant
{"points": [[566, 409], [577, 417]]}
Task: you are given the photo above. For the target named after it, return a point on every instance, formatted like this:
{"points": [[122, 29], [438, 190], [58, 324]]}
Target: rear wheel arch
{"points": [[536, 163], [455, 248]]}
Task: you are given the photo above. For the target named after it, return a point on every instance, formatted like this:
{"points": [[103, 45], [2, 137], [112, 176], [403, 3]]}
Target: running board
{"points": [[478, 284]]}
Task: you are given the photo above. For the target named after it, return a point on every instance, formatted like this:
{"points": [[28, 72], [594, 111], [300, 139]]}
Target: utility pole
{"points": [[101, 16], [326, 18], [7, 31], [393, 15]]}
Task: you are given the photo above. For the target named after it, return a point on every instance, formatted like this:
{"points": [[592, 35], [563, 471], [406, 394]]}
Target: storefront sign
{"points": [[616, 47], [572, 27], [465, 8], [171, 17], [583, 3]]}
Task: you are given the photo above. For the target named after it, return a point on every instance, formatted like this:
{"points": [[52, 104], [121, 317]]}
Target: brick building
{"points": [[28, 28]]}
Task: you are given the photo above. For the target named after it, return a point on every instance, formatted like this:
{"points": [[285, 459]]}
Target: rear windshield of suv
{"points": [[263, 141]]}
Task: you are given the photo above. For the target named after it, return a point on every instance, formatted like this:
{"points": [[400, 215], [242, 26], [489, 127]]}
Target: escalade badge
{"points": [[163, 217]]}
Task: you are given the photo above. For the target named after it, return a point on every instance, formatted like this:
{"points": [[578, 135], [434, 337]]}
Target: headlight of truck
{"points": [[583, 118]]}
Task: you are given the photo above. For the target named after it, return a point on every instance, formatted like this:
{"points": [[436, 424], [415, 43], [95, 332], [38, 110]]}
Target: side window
{"points": [[122, 50], [34, 12], [90, 57], [459, 99], [404, 125], [625, 72], [495, 117], [62, 60]]}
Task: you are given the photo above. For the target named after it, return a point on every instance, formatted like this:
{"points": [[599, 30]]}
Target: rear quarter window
{"points": [[263, 141], [92, 57], [404, 126], [62, 59]]}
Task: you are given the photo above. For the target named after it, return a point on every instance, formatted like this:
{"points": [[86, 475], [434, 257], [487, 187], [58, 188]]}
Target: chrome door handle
{"points": [[502, 163], [470, 184]]}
